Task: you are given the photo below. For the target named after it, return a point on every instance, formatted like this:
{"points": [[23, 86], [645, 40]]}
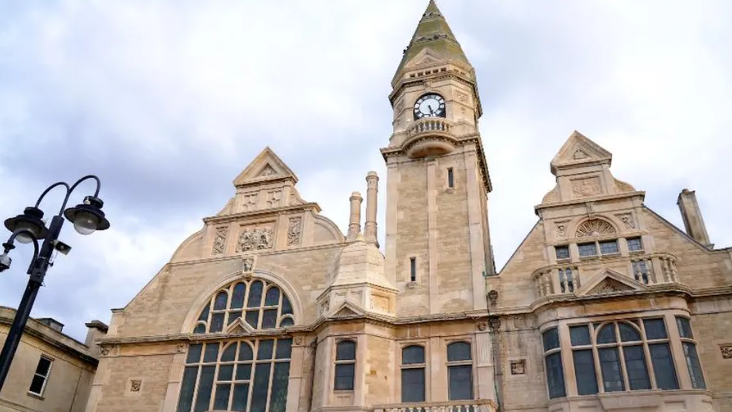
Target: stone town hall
{"points": [[605, 305]]}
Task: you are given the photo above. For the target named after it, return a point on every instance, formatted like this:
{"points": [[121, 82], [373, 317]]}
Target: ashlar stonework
{"points": [[605, 305]]}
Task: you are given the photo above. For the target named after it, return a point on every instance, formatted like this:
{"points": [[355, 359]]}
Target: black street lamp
{"points": [[29, 228]]}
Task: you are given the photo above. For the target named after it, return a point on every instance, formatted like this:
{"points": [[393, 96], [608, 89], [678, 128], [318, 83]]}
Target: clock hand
{"points": [[431, 111]]}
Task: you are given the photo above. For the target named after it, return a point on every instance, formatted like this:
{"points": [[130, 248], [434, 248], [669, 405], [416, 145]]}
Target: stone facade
{"points": [[51, 372], [605, 306]]}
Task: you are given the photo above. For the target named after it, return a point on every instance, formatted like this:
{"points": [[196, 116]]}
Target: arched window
{"points": [[413, 366], [249, 374], [459, 371], [345, 365], [261, 304], [244, 375], [632, 355]]}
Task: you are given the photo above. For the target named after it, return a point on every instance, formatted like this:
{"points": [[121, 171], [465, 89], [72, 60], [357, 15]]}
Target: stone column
{"points": [[372, 180], [354, 223]]}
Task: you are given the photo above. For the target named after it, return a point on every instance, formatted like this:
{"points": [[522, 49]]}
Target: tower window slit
{"points": [[413, 269], [450, 177]]}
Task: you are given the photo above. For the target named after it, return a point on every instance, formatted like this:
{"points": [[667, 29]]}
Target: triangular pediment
{"points": [[239, 327], [266, 166], [579, 150], [609, 281], [347, 310], [425, 58]]}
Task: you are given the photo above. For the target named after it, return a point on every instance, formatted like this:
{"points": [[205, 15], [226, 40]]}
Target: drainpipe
{"points": [[494, 326]]}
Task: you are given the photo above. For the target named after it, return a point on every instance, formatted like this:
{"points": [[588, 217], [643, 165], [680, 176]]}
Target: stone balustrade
{"points": [[565, 278], [483, 405], [428, 125]]}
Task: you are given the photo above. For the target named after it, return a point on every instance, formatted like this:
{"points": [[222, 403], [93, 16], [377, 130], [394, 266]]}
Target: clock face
{"points": [[429, 105]]}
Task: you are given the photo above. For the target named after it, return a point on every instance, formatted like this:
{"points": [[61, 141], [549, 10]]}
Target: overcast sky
{"points": [[167, 101]]}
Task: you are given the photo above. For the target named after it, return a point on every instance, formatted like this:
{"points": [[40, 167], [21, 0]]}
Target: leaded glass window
{"points": [[345, 367], [413, 374], [257, 302], [553, 363], [460, 371], [241, 375], [630, 355], [692, 357]]}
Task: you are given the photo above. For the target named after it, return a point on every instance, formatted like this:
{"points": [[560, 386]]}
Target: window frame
{"points": [[563, 247], [450, 365], [198, 364], [690, 341], [414, 366], [450, 178], [639, 326], [412, 268], [45, 377], [337, 362], [640, 242], [546, 353]]}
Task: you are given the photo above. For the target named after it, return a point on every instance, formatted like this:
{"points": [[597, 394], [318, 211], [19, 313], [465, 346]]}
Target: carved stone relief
{"points": [[561, 230], [726, 351], [267, 171], [250, 202], [462, 97], [594, 227], [247, 264], [579, 154], [294, 231], [399, 106], [274, 198], [135, 385], [380, 303], [627, 219], [255, 239], [608, 286], [586, 187], [219, 245], [324, 307], [518, 367]]}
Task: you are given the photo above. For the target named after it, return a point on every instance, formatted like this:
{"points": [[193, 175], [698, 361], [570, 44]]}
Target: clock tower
{"points": [[437, 237]]}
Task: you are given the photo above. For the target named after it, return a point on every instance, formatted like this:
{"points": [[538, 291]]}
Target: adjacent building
{"points": [[270, 307], [51, 372]]}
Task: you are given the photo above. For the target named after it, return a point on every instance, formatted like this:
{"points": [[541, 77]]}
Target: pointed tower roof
{"points": [[433, 34]]}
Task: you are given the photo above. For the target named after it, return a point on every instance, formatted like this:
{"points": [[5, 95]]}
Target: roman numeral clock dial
{"points": [[429, 105]]}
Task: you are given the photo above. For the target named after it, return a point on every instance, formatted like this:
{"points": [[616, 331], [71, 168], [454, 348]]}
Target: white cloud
{"points": [[169, 100]]}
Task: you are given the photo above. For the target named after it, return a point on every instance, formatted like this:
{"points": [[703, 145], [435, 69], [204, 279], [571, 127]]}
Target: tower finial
{"points": [[433, 33]]}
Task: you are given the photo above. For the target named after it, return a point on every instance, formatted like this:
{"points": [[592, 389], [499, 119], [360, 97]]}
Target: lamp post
{"points": [[29, 228]]}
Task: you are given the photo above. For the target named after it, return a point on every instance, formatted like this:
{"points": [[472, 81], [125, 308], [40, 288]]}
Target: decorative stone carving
{"points": [[726, 351], [608, 286], [324, 307], [135, 385], [462, 97], [250, 202], [181, 348], [267, 171], [219, 245], [627, 219], [551, 196], [561, 230], [294, 231], [400, 105], [298, 340], [586, 187], [579, 154], [594, 227], [380, 303], [273, 198], [247, 264], [482, 326], [256, 239], [518, 367], [105, 350]]}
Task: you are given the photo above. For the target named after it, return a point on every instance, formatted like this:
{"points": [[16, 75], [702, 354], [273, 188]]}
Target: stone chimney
{"points": [[354, 222], [97, 329], [372, 180], [693, 221]]}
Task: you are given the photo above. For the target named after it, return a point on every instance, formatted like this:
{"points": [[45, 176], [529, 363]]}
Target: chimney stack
{"points": [[691, 214], [354, 223], [372, 180]]}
